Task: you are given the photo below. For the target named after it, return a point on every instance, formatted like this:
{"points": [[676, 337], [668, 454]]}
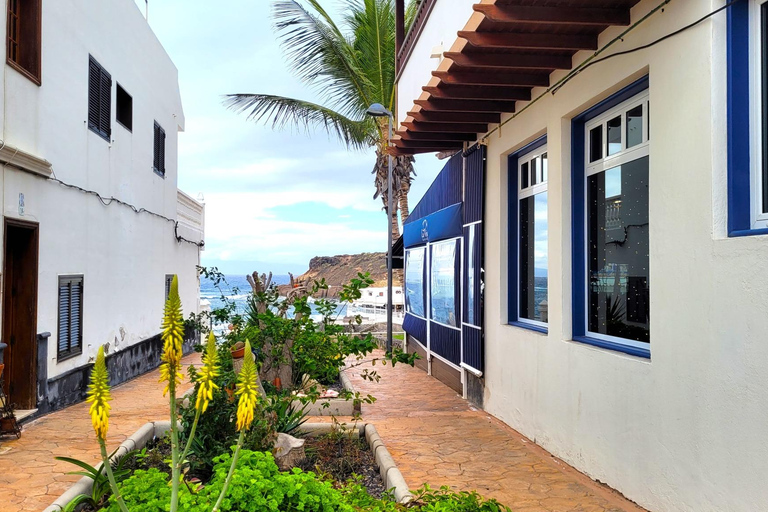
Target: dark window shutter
{"points": [[99, 99], [168, 281], [70, 335], [158, 162]]}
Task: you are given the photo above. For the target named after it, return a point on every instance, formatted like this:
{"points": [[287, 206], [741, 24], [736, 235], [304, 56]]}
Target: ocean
{"points": [[236, 288]]}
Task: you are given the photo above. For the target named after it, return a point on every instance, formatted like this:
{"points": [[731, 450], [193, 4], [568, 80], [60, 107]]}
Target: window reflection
{"points": [[533, 258], [596, 144], [614, 135], [618, 293], [635, 126]]}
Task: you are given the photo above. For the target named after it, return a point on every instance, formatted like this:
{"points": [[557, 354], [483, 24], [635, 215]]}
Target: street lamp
{"points": [[379, 110]]}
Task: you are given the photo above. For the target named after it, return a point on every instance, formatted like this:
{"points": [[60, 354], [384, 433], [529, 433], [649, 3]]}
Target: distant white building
{"points": [[91, 105]]}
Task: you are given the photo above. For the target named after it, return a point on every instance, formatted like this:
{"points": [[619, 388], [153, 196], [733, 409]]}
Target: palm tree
{"points": [[351, 71]]}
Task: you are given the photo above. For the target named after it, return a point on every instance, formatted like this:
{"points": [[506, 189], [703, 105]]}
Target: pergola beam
{"points": [[510, 60], [450, 137], [515, 13], [426, 116], [471, 92], [446, 105], [415, 126], [538, 41], [490, 78]]}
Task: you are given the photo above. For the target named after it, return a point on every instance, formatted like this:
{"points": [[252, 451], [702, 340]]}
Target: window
{"points": [[532, 237], [611, 223], [23, 44], [414, 281], [99, 99], [70, 337], [158, 164], [168, 281], [747, 120], [443, 283], [528, 237], [124, 108]]}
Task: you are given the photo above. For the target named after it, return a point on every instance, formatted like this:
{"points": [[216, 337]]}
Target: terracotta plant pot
{"points": [[237, 354]]}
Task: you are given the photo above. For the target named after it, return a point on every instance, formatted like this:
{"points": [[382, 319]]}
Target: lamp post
{"points": [[378, 110]]}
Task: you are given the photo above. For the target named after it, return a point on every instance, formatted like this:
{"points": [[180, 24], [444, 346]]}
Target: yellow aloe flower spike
{"points": [[208, 373], [99, 396], [247, 390], [173, 337]]}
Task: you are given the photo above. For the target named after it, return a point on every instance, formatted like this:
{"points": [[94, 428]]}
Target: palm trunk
{"points": [[405, 187], [395, 226]]}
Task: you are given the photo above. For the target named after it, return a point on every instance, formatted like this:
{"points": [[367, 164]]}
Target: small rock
{"points": [[288, 452]]}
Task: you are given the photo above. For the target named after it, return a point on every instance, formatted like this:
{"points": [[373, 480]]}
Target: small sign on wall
{"points": [[21, 204]]}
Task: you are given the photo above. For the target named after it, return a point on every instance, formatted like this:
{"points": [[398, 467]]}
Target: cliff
{"points": [[340, 269]]}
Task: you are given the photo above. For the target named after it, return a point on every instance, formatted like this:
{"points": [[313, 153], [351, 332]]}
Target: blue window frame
{"points": [[615, 137], [528, 275], [747, 120]]}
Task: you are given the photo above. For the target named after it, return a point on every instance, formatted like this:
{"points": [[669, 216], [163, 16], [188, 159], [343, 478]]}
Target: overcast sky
{"points": [[273, 199]]}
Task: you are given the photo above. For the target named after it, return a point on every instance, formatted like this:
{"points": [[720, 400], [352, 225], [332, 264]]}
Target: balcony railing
{"points": [[422, 13]]}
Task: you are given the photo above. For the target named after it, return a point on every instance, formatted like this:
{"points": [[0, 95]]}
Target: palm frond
{"points": [[302, 115], [321, 56]]}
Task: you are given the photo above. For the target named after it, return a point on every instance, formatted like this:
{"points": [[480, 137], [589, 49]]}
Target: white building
{"points": [[91, 105], [632, 197]]}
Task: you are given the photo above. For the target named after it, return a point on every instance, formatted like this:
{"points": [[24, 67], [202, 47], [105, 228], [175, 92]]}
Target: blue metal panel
{"points": [[473, 347], [445, 342], [416, 327], [444, 191], [473, 185], [739, 197], [440, 225], [578, 220]]}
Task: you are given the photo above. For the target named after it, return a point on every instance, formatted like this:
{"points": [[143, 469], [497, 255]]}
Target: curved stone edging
{"points": [[135, 441], [390, 474]]}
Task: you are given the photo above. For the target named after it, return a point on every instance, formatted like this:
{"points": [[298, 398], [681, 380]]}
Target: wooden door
{"points": [[20, 312]]}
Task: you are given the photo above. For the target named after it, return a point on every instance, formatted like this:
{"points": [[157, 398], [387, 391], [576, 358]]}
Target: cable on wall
{"points": [[106, 201], [593, 59]]}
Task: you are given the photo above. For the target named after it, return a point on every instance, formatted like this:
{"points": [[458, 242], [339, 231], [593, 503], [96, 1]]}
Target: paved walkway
{"points": [[437, 437], [432, 433], [30, 478]]}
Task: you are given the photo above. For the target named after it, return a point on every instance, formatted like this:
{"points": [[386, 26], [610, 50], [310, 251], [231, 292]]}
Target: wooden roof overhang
{"points": [[507, 48]]}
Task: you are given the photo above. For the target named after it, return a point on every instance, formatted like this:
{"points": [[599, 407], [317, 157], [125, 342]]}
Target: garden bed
{"points": [[340, 406], [337, 453]]}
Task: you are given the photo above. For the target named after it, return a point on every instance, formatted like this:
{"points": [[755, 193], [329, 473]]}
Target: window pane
{"points": [[471, 275], [414, 281], [614, 135], [524, 175], [635, 126], [618, 294], [443, 291], [544, 169], [534, 171], [533, 258], [596, 144], [764, 30]]}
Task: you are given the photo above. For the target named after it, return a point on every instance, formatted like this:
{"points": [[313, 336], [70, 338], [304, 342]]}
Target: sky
{"points": [[273, 199]]}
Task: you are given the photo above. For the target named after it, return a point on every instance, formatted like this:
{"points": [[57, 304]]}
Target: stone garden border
{"points": [[390, 474], [337, 406], [136, 441]]}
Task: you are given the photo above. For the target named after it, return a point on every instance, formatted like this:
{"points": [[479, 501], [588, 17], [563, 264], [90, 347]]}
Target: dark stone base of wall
{"points": [[475, 389], [70, 388], [442, 371]]}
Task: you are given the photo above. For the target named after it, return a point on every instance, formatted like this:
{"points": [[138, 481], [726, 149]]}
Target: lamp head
{"points": [[378, 110]]}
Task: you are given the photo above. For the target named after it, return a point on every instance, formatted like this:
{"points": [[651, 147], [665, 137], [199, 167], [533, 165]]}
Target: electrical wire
{"points": [[106, 201], [593, 59]]}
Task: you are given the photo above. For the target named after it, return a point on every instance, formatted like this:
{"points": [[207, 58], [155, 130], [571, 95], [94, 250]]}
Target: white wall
{"points": [[447, 18], [123, 256], [685, 430]]}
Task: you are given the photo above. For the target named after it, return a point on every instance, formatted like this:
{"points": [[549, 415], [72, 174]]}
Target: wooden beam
{"points": [[490, 78], [473, 92], [415, 126], [415, 151], [411, 135], [425, 116], [519, 40], [441, 104], [399, 25], [515, 13], [510, 60], [427, 144]]}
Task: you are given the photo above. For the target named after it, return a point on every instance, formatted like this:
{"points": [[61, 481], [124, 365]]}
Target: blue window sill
{"points": [[748, 232], [618, 347], [530, 327]]}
